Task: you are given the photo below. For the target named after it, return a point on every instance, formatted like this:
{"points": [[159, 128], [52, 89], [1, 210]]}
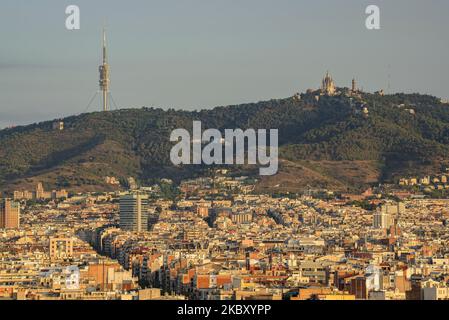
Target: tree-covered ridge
{"points": [[400, 127]]}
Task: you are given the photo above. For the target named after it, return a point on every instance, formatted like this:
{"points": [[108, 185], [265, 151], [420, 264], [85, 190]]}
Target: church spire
{"points": [[328, 86]]}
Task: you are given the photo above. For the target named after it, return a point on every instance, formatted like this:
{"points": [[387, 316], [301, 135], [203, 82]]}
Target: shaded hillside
{"points": [[317, 135]]}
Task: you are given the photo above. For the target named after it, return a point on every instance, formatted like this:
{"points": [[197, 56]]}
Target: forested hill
{"points": [[383, 136]]}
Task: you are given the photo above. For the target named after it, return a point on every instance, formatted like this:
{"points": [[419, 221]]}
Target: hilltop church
{"points": [[328, 86]]}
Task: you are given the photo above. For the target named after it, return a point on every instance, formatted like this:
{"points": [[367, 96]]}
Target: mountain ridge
{"points": [[396, 134]]}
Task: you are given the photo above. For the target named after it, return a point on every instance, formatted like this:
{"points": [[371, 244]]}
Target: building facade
{"points": [[61, 248], [328, 85], [9, 214], [134, 212]]}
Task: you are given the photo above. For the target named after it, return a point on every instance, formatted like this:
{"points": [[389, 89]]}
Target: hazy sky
{"points": [[195, 54]]}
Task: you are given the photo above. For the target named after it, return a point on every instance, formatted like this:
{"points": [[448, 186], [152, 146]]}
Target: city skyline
{"points": [[167, 55], [224, 151]]}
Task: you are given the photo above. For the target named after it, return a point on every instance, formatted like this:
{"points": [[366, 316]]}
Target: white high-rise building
{"points": [[134, 212], [382, 220], [387, 215]]}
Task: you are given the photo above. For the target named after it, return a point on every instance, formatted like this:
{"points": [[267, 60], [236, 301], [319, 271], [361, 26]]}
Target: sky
{"points": [[198, 54]]}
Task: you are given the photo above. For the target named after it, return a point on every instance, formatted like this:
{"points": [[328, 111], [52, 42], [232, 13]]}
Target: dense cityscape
{"points": [[213, 238], [207, 207]]}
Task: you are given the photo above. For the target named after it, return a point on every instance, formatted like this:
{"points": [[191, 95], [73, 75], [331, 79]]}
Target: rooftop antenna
{"points": [[389, 80]]}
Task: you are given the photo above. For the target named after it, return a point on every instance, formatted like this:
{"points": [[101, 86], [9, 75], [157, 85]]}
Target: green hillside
{"points": [[330, 141]]}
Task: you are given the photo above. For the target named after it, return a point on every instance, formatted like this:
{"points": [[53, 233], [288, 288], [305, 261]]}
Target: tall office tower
{"points": [[9, 214], [388, 215], [104, 76], [382, 220], [134, 212]]}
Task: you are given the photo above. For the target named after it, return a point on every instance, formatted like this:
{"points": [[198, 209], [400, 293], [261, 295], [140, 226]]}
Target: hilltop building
{"points": [[58, 125], [354, 86], [328, 86], [40, 194]]}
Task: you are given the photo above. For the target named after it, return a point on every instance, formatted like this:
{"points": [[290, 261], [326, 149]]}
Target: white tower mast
{"points": [[104, 75]]}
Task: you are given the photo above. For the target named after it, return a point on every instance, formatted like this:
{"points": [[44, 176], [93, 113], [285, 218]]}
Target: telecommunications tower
{"points": [[104, 75]]}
